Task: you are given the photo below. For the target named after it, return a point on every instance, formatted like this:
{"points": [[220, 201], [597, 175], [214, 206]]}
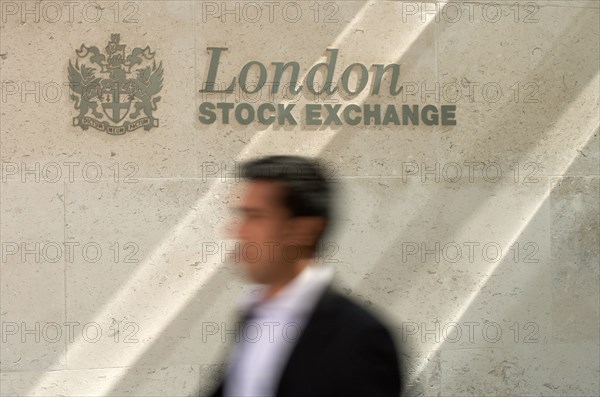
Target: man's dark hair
{"points": [[308, 192]]}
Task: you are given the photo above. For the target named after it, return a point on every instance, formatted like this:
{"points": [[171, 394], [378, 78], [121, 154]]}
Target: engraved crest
{"points": [[115, 92]]}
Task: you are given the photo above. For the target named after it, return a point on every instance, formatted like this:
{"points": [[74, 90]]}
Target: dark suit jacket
{"points": [[343, 351]]}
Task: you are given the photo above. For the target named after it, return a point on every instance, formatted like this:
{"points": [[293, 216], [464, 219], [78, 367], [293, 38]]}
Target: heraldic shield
{"points": [[123, 96]]}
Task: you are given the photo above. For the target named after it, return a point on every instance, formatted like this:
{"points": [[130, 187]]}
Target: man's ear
{"points": [[306, 230]]}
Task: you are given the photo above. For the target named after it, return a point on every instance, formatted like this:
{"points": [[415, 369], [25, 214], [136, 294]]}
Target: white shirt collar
{"points": [[297, 296]]}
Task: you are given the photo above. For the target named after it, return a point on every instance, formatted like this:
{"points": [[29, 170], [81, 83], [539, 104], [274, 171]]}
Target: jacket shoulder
{"points": [[351, 310], [349, 314]]}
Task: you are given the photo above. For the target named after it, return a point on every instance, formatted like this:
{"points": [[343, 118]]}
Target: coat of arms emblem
{"points": [[122, 95]]}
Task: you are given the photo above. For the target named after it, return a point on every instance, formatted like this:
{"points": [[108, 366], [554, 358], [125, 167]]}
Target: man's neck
{"points": [[296, 269]]}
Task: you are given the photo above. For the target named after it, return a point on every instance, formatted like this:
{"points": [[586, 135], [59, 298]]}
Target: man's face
{"points": [[264, 231]]}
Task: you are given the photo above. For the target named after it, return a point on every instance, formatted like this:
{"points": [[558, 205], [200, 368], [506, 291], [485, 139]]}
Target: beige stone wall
{"points": [[112, 272]]}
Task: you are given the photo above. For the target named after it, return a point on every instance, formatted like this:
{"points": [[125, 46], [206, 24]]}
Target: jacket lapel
{"points": [[319, 329]]}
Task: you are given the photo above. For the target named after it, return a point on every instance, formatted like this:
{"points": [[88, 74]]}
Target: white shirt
{"points": [[257, 361]]}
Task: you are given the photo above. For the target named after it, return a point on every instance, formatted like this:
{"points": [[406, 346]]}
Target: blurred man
{"points": [[302, 337]]}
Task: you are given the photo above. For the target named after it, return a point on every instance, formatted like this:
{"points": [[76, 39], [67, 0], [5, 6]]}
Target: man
{"points": [[302, 337]]}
